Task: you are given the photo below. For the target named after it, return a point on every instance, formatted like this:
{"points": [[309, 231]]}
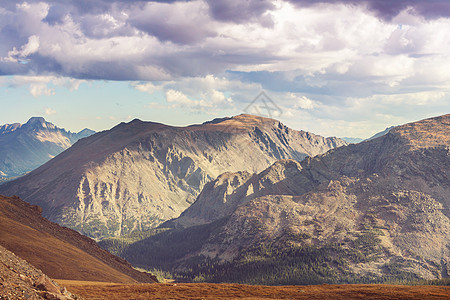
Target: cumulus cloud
{"points": [[181, 23], [37, 89], [209, 94], [387, 9], [154, 41], [30, 47], [302, 102], [242, 11], [178, 97], [206, 94], [147, 87], [49, 111], [42, 85], [204, 54]]}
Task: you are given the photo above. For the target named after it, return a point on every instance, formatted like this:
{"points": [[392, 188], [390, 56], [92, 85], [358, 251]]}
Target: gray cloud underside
{"points": [[244, 11], [387, 9], [162, 40]]}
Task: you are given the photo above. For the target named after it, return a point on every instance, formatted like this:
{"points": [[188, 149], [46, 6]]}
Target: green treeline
{"points": [[287, 260]]}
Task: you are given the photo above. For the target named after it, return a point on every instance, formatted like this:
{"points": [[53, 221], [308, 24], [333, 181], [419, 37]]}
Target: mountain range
{"points": [[24, 147], [377, 211], [140, 174]]}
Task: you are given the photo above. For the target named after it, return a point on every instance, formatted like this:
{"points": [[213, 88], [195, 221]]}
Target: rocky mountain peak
{"points": [[244, 121], [85, 133], [134, 129], [24, 147], [38, 122], [216, 120], [8, 128]]}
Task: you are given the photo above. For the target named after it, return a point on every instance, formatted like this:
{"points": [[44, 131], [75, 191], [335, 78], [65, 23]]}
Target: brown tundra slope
{"points": [[368, 212], [139, 174], [59, 252]]}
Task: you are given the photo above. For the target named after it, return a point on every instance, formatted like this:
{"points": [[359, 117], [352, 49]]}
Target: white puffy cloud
{"points": [[19, 55], [209, 101], [302, 102], [39, 89], [208, 93], [42, 85], [49, 111], [177, 97], [147, 87]]}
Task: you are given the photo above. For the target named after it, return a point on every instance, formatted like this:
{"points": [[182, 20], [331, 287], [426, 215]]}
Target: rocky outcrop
{"points": [[20, 280], [221, 197], [139, 174], [24, 147]]}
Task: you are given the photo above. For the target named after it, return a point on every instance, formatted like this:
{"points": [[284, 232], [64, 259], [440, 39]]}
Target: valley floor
{"points": [[93, 290]]}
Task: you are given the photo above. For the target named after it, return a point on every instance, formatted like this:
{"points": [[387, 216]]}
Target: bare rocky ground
{"points": [[20, 280]]}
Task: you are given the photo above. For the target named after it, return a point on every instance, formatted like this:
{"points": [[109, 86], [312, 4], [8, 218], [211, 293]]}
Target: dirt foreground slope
{"points": [[59, 252]]}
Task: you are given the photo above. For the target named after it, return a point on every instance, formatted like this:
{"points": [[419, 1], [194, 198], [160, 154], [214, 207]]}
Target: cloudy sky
{"points": [[336, 68]]}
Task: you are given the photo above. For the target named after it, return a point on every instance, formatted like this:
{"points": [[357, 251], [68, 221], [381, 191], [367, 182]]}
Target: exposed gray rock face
{"points": [[139, 174], [388, 199], [24, 147]]}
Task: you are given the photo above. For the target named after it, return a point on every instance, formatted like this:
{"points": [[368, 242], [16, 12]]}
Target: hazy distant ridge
{"points": [[24, 147]]}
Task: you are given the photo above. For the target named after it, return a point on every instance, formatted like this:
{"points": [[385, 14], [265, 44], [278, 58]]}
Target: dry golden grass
{"points": [[90, 290], [431, 132], [65, 282], [54, 257]]}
